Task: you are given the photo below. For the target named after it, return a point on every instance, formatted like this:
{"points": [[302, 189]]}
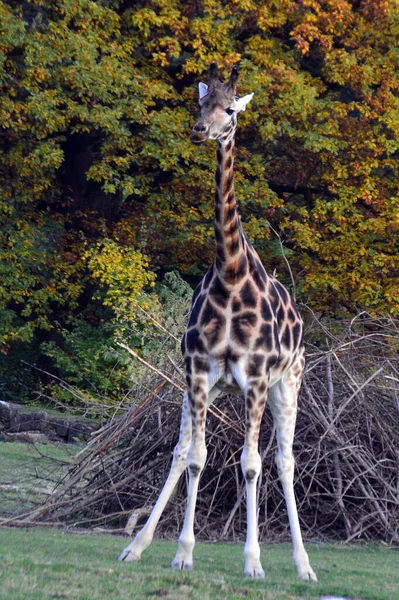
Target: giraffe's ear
{"points": [[203, 90], [241, 103]]}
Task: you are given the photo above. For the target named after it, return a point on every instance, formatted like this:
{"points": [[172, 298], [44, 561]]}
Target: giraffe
{"points": [[244, 335]]}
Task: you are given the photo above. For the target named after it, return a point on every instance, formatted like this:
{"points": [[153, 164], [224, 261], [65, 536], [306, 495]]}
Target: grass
{"points": [[40, 564], [27, 472], [56, 413]]}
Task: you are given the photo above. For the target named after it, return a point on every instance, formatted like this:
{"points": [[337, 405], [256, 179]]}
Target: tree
{"points": [[98, 98]]}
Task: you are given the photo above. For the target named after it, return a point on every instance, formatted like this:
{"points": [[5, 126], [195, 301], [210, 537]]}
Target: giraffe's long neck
{"points": [[230, 241]]}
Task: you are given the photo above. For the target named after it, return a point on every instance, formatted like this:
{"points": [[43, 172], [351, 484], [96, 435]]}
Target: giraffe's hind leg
{"points": [[283, 403], [144, 537]]}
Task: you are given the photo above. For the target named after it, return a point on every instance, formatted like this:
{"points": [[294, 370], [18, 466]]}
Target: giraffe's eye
{"points": [[229, 111]]}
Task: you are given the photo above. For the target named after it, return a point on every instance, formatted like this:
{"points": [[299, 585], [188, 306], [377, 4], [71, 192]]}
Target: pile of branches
{"points": [[346, 449]]}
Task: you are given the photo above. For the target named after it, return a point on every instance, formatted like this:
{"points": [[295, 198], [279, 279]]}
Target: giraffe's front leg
{"points": [[144, 537], [199, 402], [251, 467], [195, 461]]}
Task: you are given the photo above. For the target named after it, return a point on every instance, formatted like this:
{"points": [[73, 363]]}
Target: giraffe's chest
{"points": [[230, 347], [229, 333], [244, 328]]}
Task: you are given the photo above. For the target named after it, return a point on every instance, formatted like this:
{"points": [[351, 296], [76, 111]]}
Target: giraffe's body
{"points": [[244, 335], [241, 319]]}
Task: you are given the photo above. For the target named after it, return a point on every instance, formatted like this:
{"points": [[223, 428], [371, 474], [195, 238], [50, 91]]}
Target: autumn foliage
{"points": [[101, 187]]}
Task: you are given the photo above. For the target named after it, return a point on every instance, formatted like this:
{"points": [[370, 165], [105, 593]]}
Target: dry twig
{"points": [[346, 449]]}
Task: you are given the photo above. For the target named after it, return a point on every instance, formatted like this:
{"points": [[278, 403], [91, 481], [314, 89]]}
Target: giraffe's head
{"points": [[219, 107]]}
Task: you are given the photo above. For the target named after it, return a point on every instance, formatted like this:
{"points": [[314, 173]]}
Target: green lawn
{"points": [[28, 473], [55, 413], [40, 564]]}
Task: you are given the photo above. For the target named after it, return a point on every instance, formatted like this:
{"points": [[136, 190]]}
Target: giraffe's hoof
{"points": [[253, 568], [307, 574], [128, 555], [255, 574], [182, 565]]}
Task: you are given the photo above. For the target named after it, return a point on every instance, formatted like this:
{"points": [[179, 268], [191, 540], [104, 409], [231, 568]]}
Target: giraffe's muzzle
{"points": [[199, 134], [198, 141]]}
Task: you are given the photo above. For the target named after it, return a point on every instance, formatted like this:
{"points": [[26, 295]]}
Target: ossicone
{"points": [[213, 73], [232, 82]]}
